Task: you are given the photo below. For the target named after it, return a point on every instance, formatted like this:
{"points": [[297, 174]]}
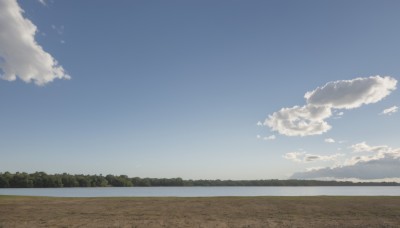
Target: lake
{"points": [[205, 191]]}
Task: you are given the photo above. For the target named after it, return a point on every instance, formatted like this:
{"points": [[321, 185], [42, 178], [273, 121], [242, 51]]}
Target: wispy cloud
{"points": [[294, 156], [384, 162], [364, 147], [43, 2], [271, 137], [310, 119], [329, 140], [58, 29], [305, 157], [266, 138], [390, 111], [338, 115], [20, 55]]}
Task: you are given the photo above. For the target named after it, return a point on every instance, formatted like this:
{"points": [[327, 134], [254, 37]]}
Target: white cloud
{"points": [[259, 123], [388, 167], [364, 147], [305, 157], [294, 156], [314, 168], [369, 180], [313, 157], [344, 94], [271, 137], [43, 2], [338, 115], [348, 94], [300, 121], [20, 55], [329, 140], [390, 111], [383, 163]]}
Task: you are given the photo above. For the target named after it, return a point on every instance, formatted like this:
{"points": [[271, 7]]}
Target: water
{"points": [[204, 191]]}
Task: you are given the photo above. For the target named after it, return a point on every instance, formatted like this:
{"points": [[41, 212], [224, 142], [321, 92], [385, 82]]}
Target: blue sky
{"points": [[176, 88]]}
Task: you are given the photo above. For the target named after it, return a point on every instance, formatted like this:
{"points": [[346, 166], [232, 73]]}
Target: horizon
{"points": [[208, 90], [67, 180]]}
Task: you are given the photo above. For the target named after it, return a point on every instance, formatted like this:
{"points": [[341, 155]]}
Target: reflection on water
{"points": [[205, 191]]}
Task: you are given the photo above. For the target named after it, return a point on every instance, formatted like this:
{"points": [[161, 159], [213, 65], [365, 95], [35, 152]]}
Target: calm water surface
{"points": [[204, 191]]}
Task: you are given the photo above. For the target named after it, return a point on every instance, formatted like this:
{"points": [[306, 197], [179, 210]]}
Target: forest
{"points": [[44, 180]]}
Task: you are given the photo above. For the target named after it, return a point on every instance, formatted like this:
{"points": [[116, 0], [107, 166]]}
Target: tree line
{"points": [[44, 180]]}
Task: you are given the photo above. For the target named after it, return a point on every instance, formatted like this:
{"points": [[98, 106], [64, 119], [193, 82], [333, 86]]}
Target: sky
{"points": [[201, 89]]}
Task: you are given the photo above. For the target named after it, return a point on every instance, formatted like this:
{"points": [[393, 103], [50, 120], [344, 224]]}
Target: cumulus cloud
{"points": [[300, 121], [20, 55], [348, 94], [384, 162], [259, 123], [329, 140], [305, 157], [310, 119], [390, 111]]}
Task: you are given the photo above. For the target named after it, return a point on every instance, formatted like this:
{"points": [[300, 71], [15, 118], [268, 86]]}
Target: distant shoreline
{"points": [[44, 180]]}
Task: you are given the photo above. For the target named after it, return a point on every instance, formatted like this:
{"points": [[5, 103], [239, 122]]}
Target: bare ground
{"points": [[200, 212]]}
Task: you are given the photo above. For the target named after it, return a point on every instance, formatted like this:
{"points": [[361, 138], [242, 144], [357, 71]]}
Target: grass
{"points": [[315, 211]]}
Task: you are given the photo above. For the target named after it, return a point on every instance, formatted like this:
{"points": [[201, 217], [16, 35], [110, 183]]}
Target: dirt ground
{"points": [[200, 212]]}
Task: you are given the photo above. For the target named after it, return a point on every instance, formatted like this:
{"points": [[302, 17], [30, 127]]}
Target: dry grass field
{"points": [[200, 212]]}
